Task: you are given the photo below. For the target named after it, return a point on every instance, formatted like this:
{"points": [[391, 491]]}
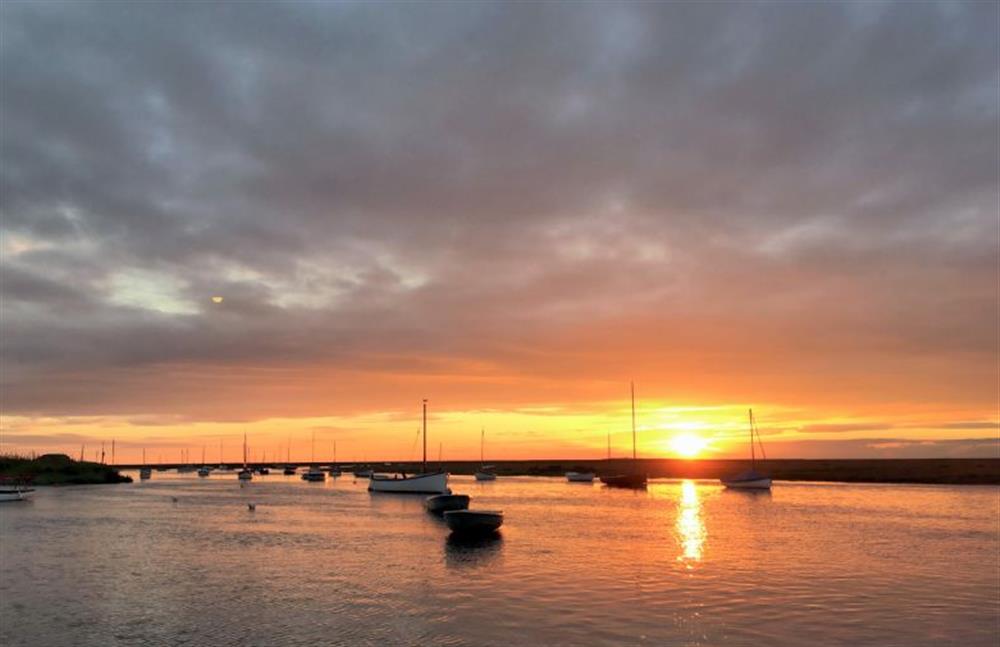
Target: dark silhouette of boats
{"points": [[634, 480]]}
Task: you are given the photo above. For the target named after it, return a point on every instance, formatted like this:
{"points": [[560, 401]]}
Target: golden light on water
{"points": [[689, 526]]}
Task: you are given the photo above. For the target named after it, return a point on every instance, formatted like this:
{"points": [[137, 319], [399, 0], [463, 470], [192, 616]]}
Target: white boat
{"points": [[750, 479], [15, 492], [423, 483], [580, 477], [486, 473], [427, 483], [473, 522], [441, 503], [15, 489]]}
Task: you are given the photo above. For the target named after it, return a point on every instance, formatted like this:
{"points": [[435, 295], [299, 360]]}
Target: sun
{"points": [[687, 445]]}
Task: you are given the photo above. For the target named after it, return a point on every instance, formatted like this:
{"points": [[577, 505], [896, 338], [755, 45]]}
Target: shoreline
{"points": [[927, 471]]}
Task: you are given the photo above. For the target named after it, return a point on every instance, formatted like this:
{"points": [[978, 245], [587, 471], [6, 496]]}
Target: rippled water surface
{"points": [[181, 560]]}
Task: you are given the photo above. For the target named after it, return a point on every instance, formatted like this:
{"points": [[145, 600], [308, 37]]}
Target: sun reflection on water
{"points": [[690, 528]]}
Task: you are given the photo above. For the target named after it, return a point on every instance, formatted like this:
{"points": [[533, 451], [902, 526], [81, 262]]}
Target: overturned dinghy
{"points": [[442, 503], [473, 522]]}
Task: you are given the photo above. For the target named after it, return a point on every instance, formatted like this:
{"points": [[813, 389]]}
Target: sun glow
{"points": [[687, 445]]}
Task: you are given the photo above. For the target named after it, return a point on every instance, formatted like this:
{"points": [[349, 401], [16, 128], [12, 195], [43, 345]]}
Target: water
{"points": [[685, 563]]}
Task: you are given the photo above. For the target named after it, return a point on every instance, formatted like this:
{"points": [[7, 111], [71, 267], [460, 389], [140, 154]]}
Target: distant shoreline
{"points": [[934, 471]]}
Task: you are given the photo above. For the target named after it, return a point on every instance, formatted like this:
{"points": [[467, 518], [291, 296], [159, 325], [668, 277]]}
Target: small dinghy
{"points": [[442, 503], [204, 470], [363, 474], [580, 477], [473, 522], [289, 470]]}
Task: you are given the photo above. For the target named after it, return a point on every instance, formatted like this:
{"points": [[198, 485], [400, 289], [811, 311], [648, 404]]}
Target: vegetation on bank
{"points": [[58, 469]]}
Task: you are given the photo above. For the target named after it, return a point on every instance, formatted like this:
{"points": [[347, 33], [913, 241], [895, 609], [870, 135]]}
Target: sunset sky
{"points": [[509, 209]]}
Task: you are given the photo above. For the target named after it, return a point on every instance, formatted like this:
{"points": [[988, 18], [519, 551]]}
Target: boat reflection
{"points": [[462, 552], [689, 526]]}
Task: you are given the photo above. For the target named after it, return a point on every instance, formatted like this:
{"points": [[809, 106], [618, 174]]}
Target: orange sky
{"points": [[259, 222]]}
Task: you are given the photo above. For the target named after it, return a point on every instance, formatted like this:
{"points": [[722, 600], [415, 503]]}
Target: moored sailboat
{"points": [[635, 479], [423, 483], [750, 479], [245, 474], [145, 471], [485, 472]]}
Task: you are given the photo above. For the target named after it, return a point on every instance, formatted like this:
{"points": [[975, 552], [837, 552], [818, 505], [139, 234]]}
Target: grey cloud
{"points": [[469, 179]]}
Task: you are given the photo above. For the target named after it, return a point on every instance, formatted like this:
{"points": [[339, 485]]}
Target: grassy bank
{"points": [[58, 469]]}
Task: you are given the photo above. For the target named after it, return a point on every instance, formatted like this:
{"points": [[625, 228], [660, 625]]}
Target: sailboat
{"points": [[289, 468], [145, 471], [423, 483], [334, 468], [485, 472], [204, 470], [634, 479], [750, 479], [245, 473], [314, 473]]}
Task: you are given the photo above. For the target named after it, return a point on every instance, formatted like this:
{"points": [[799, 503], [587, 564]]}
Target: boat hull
{"points": [[580, 477], [441, 503], [473, 522], [486, 476], [629, 481], [432, 483], [15, 494], [314, 476], [751, 484]]}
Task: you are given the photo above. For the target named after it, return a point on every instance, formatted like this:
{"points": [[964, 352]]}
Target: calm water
{"points": [[685, 563]]}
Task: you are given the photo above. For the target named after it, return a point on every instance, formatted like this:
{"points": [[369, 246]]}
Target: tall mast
{"points": [[753, 454], [313, 458], [632, 384], [244, 449], [425, 435], [482, 445], [609, 445], [220, 452], [112, 451]]}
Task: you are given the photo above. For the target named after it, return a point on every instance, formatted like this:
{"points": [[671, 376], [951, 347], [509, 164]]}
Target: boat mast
{"points": [[753, 454], [244, 450], [632, 384], [482, 445], [425, 435]]}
